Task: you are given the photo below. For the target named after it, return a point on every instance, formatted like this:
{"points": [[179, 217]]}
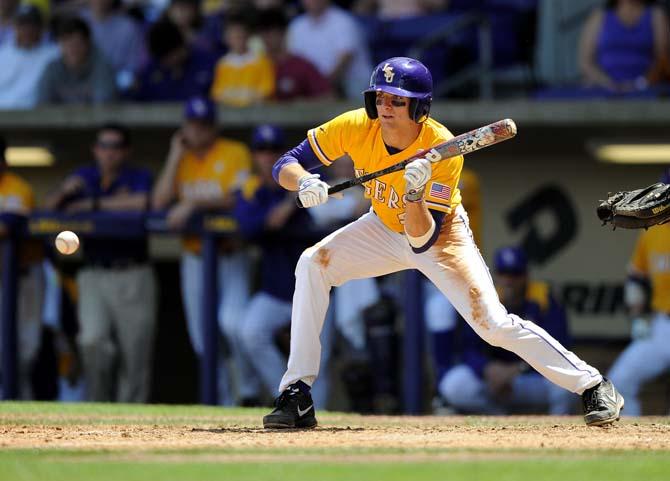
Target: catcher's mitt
{"points": [[637, 209]]}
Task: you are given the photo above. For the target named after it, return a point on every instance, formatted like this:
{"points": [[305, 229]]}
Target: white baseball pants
{"points": [[367, 248]]}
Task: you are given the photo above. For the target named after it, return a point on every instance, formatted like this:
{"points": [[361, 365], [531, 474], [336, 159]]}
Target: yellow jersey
{"points": [[651, 258], [355, 134], [241, 80], [16, 197], [225, 168]]}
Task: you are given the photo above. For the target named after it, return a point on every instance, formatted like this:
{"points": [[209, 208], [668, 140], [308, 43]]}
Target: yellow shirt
{"points": [[241, 80], [651, 258], [223, 169], [16, 197], [355, 134], [472, 202]]}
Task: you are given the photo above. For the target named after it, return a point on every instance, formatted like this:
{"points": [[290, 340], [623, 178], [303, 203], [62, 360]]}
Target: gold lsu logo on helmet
{"points": [[388, 73]]}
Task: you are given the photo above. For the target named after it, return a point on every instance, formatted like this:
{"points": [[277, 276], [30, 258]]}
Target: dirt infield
{"points": [[345, 432]]}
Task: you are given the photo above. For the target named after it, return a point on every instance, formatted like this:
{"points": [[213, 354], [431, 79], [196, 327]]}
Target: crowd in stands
{"points": [[241, 53]]}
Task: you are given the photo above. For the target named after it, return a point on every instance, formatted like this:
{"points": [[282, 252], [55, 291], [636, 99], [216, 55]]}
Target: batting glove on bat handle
{"points": [[312, 191], [417, 174]]}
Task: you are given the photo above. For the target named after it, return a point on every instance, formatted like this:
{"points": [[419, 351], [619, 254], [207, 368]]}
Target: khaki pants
{"points": [[29, 324], [117, 319]]}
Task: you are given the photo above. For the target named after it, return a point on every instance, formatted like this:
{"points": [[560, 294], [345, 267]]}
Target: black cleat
{"points": [[293, 409], [602, 404]]}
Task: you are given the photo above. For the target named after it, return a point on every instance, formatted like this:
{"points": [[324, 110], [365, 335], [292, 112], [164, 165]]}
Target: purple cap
{"points": [[511, 260], [200, 108], [269, 137]]}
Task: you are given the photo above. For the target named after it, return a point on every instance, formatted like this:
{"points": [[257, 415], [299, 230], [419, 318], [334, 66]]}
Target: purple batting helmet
{"points": [[405, 77]]}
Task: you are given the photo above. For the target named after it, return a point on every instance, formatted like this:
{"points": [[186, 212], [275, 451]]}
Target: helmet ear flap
{"points": [[371, 104], [419, 109]]}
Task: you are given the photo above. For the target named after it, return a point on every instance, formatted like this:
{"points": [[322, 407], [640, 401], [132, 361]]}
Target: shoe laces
{"points": [[284, 398]]}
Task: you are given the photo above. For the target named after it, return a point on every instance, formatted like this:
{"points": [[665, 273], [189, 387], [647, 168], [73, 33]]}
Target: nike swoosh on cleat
{"points": [[302, 412]]}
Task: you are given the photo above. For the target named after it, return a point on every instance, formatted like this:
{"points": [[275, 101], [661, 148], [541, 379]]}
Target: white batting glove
{"points": [[417, 174], [312, 191]]}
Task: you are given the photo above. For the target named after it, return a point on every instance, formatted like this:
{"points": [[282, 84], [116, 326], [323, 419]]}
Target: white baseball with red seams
{"points": [[67, 242]]}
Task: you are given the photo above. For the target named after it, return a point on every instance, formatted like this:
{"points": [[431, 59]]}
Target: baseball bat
{"points": [[466, 143]]}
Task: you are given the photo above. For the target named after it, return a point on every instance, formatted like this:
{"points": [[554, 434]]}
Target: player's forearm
{"points": [[418, 220], [290, 174]]}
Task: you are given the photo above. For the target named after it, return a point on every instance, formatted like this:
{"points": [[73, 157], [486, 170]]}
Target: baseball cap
{"points": [[28, 14], [268, 136], [511, 260], [200, 108]]}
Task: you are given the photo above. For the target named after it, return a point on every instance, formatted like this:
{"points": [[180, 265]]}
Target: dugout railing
{"points": [[47, 225]]}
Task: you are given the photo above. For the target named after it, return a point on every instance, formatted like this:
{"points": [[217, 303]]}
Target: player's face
{"points": [[265, 159], [199, 134], [512, 288], [393, 110], [110, 151]]}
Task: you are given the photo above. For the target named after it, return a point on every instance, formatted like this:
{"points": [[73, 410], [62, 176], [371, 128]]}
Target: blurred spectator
{"points": [[624, 46], [330, 38], [80, 75], [491, 380], [176, 72], [24, 59], [295, 77], [242, 77], [394, 9], [16, 202], [202, 172], [8, 9], [268, 216], [116, 285], [648, 285], [197, 30], [118, 37]]}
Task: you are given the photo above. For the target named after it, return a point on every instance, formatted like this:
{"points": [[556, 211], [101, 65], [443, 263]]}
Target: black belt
{"points": [[116, 263]]}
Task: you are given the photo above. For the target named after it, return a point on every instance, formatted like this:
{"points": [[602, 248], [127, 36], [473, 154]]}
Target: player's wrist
{"points": [[415, 195]]}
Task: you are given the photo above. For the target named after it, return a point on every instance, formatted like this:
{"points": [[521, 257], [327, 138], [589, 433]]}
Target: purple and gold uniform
{"points": [[222, 170], [355, 134], [648, 356]]}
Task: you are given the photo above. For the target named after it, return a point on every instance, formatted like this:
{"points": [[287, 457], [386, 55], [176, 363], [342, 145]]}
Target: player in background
{"points": [[202, 172], [490, 380], [416, 222], [16, 202], [648, 283], [117, 298], [269, 217]]}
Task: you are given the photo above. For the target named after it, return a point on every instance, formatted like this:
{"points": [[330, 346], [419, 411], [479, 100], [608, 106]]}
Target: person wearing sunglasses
{"points": [[116, 285]]}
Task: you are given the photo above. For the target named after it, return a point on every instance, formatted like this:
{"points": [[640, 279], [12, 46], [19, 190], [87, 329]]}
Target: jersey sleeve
{"points": [[331, 140], [443, 184]]}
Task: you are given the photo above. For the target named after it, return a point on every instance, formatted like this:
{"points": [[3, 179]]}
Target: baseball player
{"points": [[649, 354], [416, 222], [202, 172]]}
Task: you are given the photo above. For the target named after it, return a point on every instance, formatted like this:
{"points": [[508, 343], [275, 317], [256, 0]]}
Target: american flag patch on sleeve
{"points": [[440, 191]]}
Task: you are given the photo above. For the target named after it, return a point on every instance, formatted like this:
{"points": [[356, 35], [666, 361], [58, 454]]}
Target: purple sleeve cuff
{"points": [[438, 217], [302, 154]]}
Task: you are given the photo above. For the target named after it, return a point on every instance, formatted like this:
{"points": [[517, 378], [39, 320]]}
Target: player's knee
{"points": [[313, 260]]}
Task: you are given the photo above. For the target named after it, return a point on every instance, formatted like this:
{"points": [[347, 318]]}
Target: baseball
{"points": [[67, 242]]}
